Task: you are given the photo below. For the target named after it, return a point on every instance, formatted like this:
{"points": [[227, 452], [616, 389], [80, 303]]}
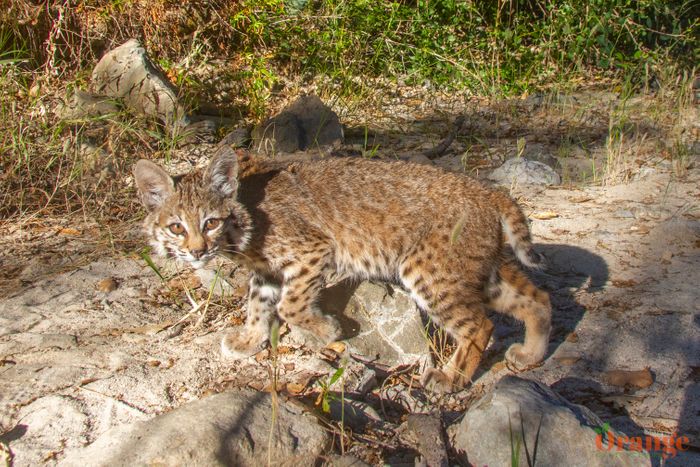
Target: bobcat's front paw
{"points": [[519, 360], [434, 380], [243, 344]]}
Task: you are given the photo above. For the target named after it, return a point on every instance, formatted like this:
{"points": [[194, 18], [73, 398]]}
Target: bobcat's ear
{"points": [[222, 174], [153, 183]]}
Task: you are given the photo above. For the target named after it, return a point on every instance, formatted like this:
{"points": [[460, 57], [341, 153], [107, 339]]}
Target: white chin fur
{"points": [[198, 264]]}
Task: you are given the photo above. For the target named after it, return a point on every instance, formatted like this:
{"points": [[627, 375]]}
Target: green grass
{"points": [[489, 47]]}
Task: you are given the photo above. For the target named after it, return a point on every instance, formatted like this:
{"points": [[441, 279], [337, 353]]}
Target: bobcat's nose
{"points": [[198, 253]]}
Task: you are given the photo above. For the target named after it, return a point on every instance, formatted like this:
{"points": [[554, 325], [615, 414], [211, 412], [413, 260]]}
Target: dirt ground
{"points": [[91, 337]]}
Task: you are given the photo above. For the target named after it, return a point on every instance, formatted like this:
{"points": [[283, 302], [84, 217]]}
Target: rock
{"points": [[305, 124], [127, 73], [355, 414], [525, 172], [201, 131], [282, 133], [230, 428], [83, 105], [539, 153], [566, 430], [383, 322], [49, 425], [427, 429], [345, 461], [419, 159], [237, 138]]}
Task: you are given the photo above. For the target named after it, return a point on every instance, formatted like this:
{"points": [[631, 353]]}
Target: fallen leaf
{"points": [[581, 199], [150, 329], [568, 360], [627, 378], [295, 388], [560, 231], [107, 285], [338, 347], [544, 215], [640, 229], [622, 283], [69, 231], [572, 337], [189, 281]]}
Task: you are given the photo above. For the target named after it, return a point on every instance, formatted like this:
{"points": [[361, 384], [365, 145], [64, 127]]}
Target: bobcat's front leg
{"points": [[263, 296], [301, 285]]}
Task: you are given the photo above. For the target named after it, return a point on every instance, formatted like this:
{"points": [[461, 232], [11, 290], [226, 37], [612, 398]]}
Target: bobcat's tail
{"points": [[517, 231]]}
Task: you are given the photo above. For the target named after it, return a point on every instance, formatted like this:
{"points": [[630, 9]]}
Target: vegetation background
{"points": [[236, 54]]}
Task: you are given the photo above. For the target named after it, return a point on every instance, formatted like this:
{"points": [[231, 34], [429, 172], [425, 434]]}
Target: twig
{"points": [[440, 149]]}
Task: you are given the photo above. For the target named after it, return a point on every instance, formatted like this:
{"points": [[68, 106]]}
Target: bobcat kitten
{"points": [[439, 234]]}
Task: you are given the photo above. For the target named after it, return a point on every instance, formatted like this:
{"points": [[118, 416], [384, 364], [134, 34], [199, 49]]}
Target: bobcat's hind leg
{"points": [[472, 332], [263, 296], [511, 292]]}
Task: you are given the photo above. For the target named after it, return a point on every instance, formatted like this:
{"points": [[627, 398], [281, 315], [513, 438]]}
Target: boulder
{"points": [[127, 73], [525, 172], [379, 321], [230, 428], [522, 410], [305, 124]]}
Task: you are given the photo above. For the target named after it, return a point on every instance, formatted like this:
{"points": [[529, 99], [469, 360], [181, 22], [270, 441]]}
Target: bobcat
{"points": [[439, 234]]}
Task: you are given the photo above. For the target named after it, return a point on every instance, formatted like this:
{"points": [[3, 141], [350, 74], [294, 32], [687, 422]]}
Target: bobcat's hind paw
{"points": [[519, 360], [241, 345]]}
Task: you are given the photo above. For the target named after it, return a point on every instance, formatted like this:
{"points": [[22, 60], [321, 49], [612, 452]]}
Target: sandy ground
{"points": [[88, 342]]}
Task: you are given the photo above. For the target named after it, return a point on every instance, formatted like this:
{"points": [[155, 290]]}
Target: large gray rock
{"points": [[384, 322], [566, 434], [231, 428], [525, 172], [305, 124], [127, 73]]}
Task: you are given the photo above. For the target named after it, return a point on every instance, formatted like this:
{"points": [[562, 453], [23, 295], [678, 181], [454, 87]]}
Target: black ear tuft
{"points": [[153, 183], [223, 173]]}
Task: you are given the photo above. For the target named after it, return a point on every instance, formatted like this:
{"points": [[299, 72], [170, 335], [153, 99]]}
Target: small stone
{"points": [[525, 172], [305, 124], [107, 285]]}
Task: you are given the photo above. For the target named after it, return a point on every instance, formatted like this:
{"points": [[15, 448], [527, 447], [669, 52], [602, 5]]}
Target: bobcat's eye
{"points": [[211, 224], [177, 228]]}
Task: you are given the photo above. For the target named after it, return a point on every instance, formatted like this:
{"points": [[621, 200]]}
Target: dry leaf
{"points": [[107, 285], [189, 281], [544, 215], [640, 229], [150, 329], [567, 360], [581, 199], [69, 231], [338, 347], [622, 283], [626, 378], [295, 388], [573, 338]]}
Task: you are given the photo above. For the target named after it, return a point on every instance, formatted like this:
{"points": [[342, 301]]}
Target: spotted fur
{"points": [[441, 235]]}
